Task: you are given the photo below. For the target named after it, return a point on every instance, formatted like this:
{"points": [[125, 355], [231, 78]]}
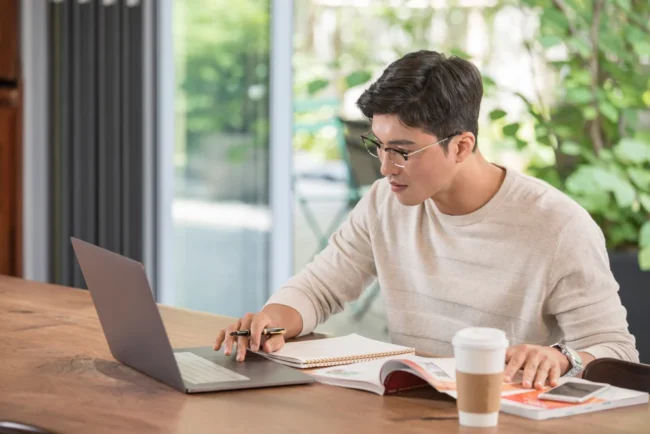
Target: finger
{"points": [[227, 346], [220, 338], [542, 374], [509, 353], [274, 343], [554, 374], [514, 365], [242, 341], [530, 369], [257, 327]]}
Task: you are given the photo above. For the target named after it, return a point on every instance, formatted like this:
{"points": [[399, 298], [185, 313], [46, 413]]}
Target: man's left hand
{"points": [[539, 364]]}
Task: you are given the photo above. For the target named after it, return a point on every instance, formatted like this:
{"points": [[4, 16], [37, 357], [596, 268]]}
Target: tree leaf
{"points": [[488, 82], [644, 235], [589, 113], [497, 114], [640, 177], [623, 233], [633, 35], [581, 46], [609, 111], [644, 200], [644, 259], [530, 3], [619, 99], [459, 53], [549, 41], [552, 16], [357, 78], [624, 194], [521, 144], [510, 130], [541, 130], [626, 5], [595, 202], [317, 85], [583, 181], [611, 43], [579, 95], [590, 179], [571, 148], [606, 155], [631, 150], [642, 48], [623, 191]]}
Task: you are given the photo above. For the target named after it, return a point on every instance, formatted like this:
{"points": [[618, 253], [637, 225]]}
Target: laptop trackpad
{"points": [[258, 370], [198, 370]]}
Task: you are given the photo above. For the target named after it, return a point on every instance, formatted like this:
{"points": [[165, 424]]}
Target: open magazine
{"points": [[400, 373]]}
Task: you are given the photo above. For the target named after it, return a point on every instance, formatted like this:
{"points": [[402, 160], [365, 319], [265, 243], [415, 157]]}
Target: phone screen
{"points": [[574, 389]]}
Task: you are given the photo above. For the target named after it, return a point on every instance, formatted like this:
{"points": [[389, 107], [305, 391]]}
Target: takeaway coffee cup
{"points": [[480, 355]]}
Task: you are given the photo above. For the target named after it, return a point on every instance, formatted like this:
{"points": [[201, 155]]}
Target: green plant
{"points": [[223, 57], [356, 58], [594, 123]]}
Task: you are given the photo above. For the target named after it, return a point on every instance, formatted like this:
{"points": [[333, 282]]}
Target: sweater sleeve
{"points": [[584, 294], [340, 272]]}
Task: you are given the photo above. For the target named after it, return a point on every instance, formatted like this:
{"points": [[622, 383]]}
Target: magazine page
{"points": [[440, 373], [363, 375], [388, 375], [530, 400]]}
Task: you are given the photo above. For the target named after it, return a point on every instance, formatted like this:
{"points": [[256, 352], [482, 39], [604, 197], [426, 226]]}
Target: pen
{"points": [[266, 331]]}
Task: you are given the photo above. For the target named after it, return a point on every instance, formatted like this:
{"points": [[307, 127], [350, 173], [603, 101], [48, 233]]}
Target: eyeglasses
{"points": [[395, 156]]}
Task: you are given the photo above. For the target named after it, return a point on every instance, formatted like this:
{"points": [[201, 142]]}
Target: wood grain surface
{"points": [[56, 372]]}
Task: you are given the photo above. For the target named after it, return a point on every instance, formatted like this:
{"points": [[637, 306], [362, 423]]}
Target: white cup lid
{"points": [[480, 338]]}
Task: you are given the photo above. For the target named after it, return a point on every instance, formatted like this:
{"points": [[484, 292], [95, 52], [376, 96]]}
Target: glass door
{"points": [[215, 252]]}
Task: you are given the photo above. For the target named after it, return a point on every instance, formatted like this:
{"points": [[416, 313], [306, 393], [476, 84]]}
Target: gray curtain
{"points": [[96, 118]]}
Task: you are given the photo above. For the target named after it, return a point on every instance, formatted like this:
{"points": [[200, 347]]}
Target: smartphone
{"points": [[573, 391]]}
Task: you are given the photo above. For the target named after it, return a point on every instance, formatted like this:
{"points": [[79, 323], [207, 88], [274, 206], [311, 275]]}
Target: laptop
{"points": [[137, 338]]}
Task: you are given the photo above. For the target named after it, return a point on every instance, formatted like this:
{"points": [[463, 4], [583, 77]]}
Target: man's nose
{"points": [[387, 167]]}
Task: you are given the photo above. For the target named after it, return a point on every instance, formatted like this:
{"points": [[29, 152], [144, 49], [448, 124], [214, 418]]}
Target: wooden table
{"points": [[56, 372]]}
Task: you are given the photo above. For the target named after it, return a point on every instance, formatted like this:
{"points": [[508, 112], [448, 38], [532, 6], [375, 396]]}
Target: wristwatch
{"points": [[574, 359]]}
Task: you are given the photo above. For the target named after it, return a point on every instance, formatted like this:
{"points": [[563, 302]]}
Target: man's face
{"points": [[426, 173]]}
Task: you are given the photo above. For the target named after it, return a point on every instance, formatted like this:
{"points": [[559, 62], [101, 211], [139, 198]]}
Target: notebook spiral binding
{"points": [[333, 361]]}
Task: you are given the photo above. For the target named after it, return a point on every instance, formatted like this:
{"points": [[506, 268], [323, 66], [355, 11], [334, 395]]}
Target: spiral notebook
{"points": [[341, 350]]}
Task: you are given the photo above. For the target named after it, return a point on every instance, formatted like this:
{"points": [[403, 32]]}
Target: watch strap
{"points": [[575, 361]]}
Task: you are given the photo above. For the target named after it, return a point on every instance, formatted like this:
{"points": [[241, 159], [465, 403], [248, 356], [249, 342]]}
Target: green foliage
{"points": [[592, 123], [354, 37], [357, 77], [223, 55], [315, 86]]}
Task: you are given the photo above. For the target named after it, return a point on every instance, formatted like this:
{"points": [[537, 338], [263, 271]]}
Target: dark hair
{"points": [[427, 90]]}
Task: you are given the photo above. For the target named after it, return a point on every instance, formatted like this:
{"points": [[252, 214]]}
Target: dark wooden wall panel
{"points": [[8, 184], [10, 140], [9, 54]]}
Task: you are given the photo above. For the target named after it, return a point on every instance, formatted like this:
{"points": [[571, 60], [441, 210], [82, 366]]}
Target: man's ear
{"points": [[464, 146]]}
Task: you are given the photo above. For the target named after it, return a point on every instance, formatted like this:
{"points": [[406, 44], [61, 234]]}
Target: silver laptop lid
{"points": [[128, 312]]}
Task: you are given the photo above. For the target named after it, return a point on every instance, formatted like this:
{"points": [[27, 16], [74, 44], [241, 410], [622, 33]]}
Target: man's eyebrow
{"points": [[401, 142], [396, 141]]}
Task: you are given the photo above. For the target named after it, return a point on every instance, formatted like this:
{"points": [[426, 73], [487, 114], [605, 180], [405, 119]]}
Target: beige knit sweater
{"points": [[530, 262]]}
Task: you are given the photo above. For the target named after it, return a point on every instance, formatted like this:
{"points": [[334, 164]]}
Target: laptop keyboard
{"points": [[198, 370]]}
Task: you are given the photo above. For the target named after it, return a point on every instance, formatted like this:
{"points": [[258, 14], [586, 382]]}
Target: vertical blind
{"points": [[96, 133]]}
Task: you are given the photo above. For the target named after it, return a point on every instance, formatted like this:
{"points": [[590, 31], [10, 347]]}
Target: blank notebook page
{"points": [[350, 347]]}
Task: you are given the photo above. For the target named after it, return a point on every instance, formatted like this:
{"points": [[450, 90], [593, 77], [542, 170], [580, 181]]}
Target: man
{"points": [[456, 241]]}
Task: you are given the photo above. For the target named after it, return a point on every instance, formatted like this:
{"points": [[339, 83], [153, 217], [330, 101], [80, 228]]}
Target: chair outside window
{"points": [[362, 170]]}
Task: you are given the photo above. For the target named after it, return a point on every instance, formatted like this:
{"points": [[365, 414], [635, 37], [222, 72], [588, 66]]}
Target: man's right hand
{"points": [[271, 316]]}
